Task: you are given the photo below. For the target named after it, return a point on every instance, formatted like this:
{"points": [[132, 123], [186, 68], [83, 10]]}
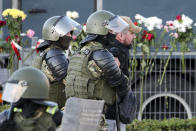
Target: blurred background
{"points": [[40, 10]]}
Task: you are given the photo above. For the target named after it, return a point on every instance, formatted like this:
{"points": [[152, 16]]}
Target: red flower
{"points": [[171, 24], [150, 36], [17, 38], [2, 23], [135, 23], [7, 39], [147, 36], [144, 34], [164, 47], [178, 17], [1, 101]]}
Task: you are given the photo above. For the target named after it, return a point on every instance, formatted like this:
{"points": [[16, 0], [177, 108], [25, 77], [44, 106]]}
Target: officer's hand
{"points": [[117, 61]]}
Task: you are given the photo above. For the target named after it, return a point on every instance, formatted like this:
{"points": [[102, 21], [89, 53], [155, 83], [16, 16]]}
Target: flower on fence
{"points": [[75, 43], [30, 33], [14, 19], [150, 23], [147, 35], [14, 13], [2, 23], [84, 27], [72, 14], [182, 23]]}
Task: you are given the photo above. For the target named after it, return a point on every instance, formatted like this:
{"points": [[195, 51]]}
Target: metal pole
{"points": [[17, 4], [99, 4], [95, 5]]}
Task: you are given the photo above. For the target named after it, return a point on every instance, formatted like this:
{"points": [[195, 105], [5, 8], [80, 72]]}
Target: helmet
{"points": [[100, 22], [29, 83], [58, 26]]}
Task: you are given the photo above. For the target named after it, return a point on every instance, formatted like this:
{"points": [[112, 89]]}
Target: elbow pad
{"points": [[57, 63], [111, 72]]}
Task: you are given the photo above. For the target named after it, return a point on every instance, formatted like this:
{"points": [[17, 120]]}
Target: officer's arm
{"points": [[3, 116], [58, 117], [57, 63], [110, 70]]}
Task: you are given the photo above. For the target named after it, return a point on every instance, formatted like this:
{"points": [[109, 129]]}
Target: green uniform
{"points": [[84, 78], [41, 121], [57, 88]]}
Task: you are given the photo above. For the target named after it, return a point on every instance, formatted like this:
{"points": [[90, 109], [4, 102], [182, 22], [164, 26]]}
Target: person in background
{"points": [[121, 44], [27, 90]]}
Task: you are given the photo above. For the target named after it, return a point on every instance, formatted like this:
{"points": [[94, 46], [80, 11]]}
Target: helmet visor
{"points": [[14, 90], [65, 24], [117, 25]]}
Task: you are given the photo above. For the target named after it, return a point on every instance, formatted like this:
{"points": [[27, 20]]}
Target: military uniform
{"points": [[93, 72], [41, 121], [57, 82], [27, 90], [57, 35], [86, 79]]}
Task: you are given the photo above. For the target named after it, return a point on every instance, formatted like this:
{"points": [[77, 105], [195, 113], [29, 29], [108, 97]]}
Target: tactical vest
{"points": [[80, 82], [42, 121]]}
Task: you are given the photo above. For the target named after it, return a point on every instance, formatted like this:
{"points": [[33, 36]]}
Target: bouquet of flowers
{"points": [[174, 33], [2, 42], [14, 19]]}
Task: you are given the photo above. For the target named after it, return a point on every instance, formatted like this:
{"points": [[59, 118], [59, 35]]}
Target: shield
{"points": [[71, 25], [14, 90], [82, 114], [117, 25]]}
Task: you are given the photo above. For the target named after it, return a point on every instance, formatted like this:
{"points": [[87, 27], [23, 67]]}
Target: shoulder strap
{"points": [[92, 46], [52, 110]]}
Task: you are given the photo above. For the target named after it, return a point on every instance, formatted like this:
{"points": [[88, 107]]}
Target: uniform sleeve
{"points": [[55, 64], [3, 116], [109, 70]]}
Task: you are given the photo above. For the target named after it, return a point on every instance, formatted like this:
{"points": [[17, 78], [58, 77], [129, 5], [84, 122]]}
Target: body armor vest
{"points": [[42, 121], [81, 83]]}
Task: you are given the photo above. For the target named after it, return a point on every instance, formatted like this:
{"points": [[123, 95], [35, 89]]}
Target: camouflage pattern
{"points": [[57, 88], [103, 124], [42, 121], [94, 69], [47, 71]]}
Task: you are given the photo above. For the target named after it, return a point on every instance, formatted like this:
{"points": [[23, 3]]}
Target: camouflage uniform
{"points": [[57, 32], [29, 109], [57, 88]]}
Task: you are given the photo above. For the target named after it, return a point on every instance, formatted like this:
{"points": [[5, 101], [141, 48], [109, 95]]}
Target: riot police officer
{"points": [[57, 32], [93, 72], [27, 90]]}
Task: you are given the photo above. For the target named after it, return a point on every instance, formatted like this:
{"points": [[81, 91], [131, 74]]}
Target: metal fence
{"points": [[175, 96]]}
